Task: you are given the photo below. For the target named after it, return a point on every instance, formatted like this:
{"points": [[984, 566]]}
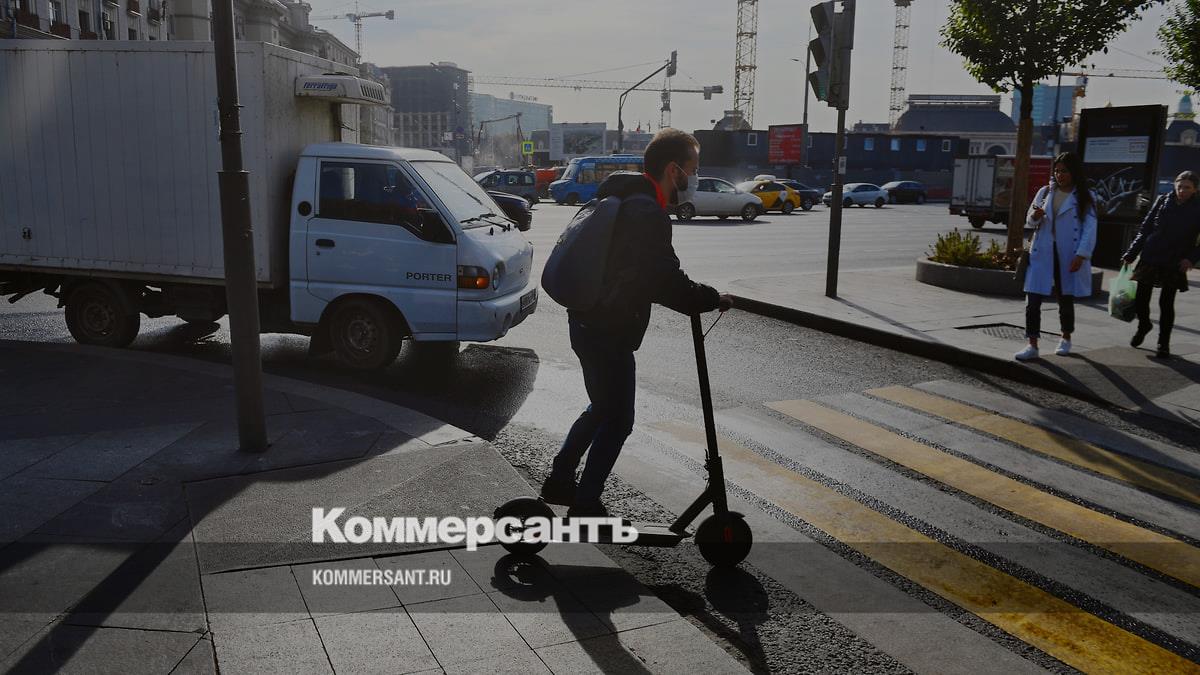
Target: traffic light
{"points": [[831, 51], [823, 18], [671, 66]]}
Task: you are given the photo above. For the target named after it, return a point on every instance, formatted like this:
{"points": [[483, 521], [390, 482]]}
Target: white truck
{"points": [[108, 201], [982, 188]]}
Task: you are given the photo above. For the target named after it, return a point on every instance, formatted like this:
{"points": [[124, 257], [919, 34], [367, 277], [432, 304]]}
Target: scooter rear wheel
{"points": [[524, 508], [724, 540]]}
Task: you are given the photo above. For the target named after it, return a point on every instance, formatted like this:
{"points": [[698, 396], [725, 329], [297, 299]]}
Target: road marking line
{"points": [[1156, 551], [1067, 633], [1053, 444]]}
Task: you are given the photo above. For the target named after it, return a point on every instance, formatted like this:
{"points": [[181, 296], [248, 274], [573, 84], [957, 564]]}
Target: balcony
{"points": [[154, 14], [62, 30], [134, 7], [27, 18]]}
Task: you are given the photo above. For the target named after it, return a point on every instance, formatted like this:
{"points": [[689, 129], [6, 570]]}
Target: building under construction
{"points": [[432, 107]]}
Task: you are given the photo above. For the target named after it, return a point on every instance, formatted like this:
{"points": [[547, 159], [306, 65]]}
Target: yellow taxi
{"points": [[775, 196]]}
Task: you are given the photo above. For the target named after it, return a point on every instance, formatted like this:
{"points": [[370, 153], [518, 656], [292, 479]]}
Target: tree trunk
{"points": [[1020, 189]]}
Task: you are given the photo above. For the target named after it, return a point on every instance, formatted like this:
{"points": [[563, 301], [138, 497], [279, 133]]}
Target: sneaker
{"points": [[1164, 352], [1064, 348], [556, 491], [596, 510], [1139, 336], [1028, 354]]}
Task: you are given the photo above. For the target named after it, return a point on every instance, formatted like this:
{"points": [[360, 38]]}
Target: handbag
{"points": [[1023, 259]]}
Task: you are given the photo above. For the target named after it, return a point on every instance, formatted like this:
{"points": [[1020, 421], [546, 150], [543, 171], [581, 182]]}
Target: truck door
{"points": [[374, 233]]}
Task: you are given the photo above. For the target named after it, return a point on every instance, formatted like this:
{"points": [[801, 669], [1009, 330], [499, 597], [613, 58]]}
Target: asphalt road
{"points": [[523, 391]]}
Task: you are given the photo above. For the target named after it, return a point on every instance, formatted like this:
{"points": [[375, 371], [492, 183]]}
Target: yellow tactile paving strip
{"points": [[1071, 450], [1058, 628], [1156, 551]]}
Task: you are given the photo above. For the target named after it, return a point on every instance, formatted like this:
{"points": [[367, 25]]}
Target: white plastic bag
{"points": [[1122, 295]]}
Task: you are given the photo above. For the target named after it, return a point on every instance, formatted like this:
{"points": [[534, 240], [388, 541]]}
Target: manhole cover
{"points": [[1003, 331]]}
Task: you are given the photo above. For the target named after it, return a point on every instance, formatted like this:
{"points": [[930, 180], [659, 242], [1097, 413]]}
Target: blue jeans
{"points": [[609, 377]]}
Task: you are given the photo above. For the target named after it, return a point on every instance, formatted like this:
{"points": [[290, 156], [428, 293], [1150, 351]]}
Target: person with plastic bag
{"points": [[1063, 215], [1169, 245]]}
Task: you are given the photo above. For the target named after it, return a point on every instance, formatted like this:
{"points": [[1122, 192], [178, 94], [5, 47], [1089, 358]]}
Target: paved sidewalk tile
{"points": [[108, 454], [200, 661], [292, 648], [52, 574], [466, 629], [669, 648], [325, 600], [29, 503], [547, 614], [566, 561], [620, 601], [384, 641], [237, 600], [494, 569], [75, 649], [136, 507], [460, 584], [19, 453], [512, 664]]}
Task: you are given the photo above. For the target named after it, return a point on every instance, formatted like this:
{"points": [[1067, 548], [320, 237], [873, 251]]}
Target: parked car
{"points": [[904, 191], [515, 209], [520, 183], [809, 196], [716, 197], [859, 193], [774, 195]]}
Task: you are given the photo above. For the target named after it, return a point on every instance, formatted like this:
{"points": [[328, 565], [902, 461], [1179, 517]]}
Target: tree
{"points": [[1180, 35], [1014, 44]]}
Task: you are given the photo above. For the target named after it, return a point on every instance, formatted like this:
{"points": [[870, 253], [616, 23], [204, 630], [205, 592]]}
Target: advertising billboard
{"points": [[1120, 148], [570, 140], [785, 144]]}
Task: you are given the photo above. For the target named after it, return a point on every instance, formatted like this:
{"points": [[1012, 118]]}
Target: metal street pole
{"points": [[621, 106], [835, 209], [1057, 97], [237, 233], [807, 68]]}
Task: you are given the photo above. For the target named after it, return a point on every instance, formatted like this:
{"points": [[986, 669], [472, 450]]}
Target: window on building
{"points": [[920, 145], [374, 193], [85, 21], [946, 145], [751, 140], [133, 34], [895, 145], [56, 12], [110, 30], [239, 27], [868, 144]]}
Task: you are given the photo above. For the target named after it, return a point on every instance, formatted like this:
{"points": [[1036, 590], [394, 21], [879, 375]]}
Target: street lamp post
{"points": [[669, 66]]}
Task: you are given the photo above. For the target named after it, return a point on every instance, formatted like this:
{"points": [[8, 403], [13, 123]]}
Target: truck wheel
{"points": [[365, 335], [749, 212], [685, 212], [96, 315], [977, 222]]}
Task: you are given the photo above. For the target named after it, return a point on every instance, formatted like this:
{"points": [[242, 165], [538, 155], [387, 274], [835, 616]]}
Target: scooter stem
{"points": [[712, 463]]}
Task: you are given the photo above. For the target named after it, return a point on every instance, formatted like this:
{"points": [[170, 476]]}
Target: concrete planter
{"points": [[977, 280]]}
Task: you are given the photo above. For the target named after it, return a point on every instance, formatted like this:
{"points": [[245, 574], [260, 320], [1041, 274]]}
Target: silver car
{"points": [[863, 194]]}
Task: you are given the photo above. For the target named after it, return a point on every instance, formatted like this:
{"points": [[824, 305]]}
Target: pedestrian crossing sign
{"points": [[526, 147]]}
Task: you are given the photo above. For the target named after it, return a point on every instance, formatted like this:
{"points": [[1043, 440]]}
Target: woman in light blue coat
{"points": [[1064, 216]]}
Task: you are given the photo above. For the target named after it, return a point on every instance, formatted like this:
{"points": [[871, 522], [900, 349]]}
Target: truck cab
{"points": [[387, 243]]}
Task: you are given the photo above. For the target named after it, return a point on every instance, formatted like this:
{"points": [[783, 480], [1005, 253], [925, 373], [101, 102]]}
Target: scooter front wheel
{"points": [[724, 540], [524, 508]]}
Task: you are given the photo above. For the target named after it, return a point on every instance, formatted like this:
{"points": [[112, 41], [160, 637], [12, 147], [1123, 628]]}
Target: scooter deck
{"points": [[655, 534]]}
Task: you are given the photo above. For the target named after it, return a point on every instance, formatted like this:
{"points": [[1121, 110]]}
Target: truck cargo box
{"points": [[109, 154]]}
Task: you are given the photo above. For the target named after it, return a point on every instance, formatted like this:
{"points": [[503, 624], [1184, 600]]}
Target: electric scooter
{"points": [[724, 538]]}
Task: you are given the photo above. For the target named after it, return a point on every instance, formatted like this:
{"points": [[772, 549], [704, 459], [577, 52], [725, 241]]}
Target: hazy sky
{"points": [[536, 38]]}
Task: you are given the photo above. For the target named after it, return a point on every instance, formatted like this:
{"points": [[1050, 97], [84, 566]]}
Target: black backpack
{"points": [[574, 273]]}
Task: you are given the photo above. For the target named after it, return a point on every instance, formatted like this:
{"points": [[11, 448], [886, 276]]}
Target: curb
{"points": [[419, 426], [928, 349]]}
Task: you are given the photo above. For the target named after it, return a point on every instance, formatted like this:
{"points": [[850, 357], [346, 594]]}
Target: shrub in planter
{"points": [[964, 249]]}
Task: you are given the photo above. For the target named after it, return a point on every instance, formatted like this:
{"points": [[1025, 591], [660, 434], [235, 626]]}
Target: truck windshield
{"points": [[462, 195]]}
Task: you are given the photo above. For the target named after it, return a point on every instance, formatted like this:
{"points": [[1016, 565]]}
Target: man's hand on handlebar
{"points": [[726, 302]]}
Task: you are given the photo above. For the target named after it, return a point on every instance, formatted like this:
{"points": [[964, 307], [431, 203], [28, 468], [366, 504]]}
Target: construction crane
{"points": [[514, 116], [745, 56], [357, 20], [580, 84], [899, 61]]}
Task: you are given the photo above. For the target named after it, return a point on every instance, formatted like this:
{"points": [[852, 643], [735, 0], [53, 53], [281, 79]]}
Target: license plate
{"points": [[528, 299]]}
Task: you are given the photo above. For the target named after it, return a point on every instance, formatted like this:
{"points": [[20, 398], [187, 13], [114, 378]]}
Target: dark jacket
{"points": [[642, 267], [1169, 233]]}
